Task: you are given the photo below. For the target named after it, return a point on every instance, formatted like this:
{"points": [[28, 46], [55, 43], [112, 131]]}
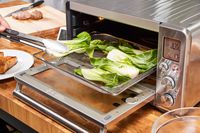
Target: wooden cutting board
{"points": [[52, 19]]}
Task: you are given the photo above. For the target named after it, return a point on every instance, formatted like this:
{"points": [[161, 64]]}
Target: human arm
{"points": [[3, 24]]}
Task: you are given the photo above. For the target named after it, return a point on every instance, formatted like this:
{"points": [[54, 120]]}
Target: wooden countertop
{"points": [[139, 122]]}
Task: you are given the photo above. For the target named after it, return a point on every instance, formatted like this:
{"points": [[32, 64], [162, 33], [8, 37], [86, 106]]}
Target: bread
{"points": [[6, 63], [1, 54]]}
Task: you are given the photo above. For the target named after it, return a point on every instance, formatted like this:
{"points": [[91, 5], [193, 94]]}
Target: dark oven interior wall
{"points": [[83, 22], [131, 33]]}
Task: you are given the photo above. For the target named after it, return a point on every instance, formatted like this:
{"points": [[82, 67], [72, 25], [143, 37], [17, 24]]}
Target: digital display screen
{"points": [[172, 49]]}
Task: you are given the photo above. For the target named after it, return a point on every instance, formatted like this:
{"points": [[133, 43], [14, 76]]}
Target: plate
{"points": [[24, 62]]}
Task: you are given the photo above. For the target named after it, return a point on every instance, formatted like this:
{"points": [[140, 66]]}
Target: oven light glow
{"points": [[101, 18]]}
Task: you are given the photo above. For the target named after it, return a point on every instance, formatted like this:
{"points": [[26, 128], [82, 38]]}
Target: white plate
{"points": [[24, 62]]}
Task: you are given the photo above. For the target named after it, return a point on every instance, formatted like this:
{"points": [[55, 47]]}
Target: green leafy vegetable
{"points": [[81, 37], [99, 45], [119, 56], [130, 51], [78, 45], [93, 45], [122, 62], [124, 43], [144, 61], [97, 74], [115, 67]]}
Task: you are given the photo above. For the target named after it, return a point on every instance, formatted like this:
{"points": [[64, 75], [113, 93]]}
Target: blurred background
{"points": [[58, 4]]}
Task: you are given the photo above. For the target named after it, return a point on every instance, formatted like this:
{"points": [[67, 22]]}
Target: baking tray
{"points": [[67, 64]]}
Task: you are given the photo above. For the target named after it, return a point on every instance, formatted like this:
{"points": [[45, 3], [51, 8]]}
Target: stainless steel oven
{"points": [[172, 27]]}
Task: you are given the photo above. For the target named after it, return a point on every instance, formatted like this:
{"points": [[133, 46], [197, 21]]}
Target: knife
{"points": [[26, 8]]}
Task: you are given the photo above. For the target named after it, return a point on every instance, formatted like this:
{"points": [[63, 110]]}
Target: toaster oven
{"points": [[172, 27]]}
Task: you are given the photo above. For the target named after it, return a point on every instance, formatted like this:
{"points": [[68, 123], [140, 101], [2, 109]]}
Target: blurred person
{"points": [[3, 24]]}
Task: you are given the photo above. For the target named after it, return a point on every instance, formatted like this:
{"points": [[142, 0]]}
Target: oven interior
{"points": [[84, 22]]}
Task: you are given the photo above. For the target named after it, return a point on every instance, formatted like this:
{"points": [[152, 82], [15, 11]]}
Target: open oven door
{"points": [[75, 105]]}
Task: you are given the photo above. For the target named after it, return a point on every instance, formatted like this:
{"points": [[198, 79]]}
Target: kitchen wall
{"points": [[58, 4], [4, 0]]}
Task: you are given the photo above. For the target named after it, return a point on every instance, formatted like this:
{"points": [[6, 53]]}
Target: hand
{"points": [[3, 24]]}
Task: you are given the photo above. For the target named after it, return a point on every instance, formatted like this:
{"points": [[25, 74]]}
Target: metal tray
{"points": [[67, 64]]}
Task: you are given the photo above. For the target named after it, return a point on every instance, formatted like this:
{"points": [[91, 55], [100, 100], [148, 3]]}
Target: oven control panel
{"points": [[168, 75], [171, 51]]}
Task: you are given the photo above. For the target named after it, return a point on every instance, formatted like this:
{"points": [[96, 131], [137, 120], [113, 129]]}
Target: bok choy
{"points": [[115, 67], [120, 62], [130, 51], [77, 45], [97, 74], [143, 61]]}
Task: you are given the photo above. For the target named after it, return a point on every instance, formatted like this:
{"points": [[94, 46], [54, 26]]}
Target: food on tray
{"points": [[77, 45], [6, 62], [120, 62], [109, 72], [143, 61], [96, 74], [25, 15], [121, 69]]}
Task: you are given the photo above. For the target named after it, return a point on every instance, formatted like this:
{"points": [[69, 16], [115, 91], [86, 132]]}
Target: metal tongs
{"points": [[47, 45]]}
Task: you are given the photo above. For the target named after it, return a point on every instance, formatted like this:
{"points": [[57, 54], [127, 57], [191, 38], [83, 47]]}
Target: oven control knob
{"points": [[163, 66], [167, 100], [168, 82]]}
